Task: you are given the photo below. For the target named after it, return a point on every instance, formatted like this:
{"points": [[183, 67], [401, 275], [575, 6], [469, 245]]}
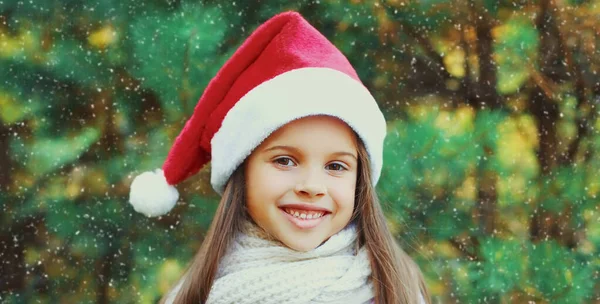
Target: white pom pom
{"points": [[151, 195]]}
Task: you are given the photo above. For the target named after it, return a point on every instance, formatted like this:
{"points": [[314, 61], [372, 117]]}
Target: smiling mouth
{"points": [[304, 214], [304, 219]]}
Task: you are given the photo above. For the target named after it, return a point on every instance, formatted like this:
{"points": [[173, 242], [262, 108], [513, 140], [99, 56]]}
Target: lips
{"points": [[305, 207], [304, 211], [304, 216]]}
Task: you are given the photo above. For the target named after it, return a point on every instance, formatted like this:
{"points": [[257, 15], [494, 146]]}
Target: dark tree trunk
{"points": [[482, 94], [5, 158], [13, 242], [546, 225]]}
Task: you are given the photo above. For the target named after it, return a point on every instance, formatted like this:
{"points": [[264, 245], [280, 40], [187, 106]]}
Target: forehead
{"points": [[324, 131]]}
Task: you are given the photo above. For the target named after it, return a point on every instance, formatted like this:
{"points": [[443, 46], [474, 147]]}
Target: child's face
{"points": [[308, 168]]}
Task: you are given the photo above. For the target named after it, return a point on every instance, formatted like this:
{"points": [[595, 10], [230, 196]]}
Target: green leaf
{"points": [[565, 186], [273, 7], [72, 61], [422, 159], [47, 154], [86, 244], [559, 275], [515, 48], [486, 124], [201, 211], [13, 110], [176, 56], [491, 6], [502, 269], [448, 223], [464, 274]]}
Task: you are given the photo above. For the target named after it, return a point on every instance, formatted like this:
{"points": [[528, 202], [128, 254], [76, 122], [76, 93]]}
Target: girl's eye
{"points": [[337, 167], [285, 161]]}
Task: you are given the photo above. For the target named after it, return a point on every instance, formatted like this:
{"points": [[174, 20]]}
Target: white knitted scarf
{"points": [[259, 269]]}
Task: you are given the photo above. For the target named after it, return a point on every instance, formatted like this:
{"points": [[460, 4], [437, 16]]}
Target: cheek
{"points": [[256, 204], [253, 188], [264, 181], [343, 194], [263, 188]]}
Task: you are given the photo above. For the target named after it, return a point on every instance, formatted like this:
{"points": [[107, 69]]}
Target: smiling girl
{"points": [[295, 143]]}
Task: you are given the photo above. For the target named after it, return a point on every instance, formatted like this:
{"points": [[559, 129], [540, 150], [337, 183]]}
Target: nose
{"points": [[311, 185]]}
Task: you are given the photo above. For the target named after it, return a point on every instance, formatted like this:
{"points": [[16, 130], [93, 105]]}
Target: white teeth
{"points": [[307, 216]]}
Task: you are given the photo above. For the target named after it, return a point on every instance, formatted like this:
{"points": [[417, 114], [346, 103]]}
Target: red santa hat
{"points": [[284, 71]]}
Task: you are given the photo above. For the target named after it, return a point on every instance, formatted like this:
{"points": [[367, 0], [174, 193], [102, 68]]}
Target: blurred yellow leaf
{"points": [[455, 62], [10, 112], [593, 188], [518, 139], [168, 275], [13, 110], [13, 45], [569, 276], [74, 182], [446, 250], [456, 122], [517, 143], [32, 256], [103, 37], [467, 191], [437, 287], [95, 181]]}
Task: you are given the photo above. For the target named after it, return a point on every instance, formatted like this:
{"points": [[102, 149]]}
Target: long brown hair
{"points": [[396, 278]]}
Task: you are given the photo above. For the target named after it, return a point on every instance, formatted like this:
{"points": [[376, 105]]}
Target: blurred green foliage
{"points": [[491, 161]]}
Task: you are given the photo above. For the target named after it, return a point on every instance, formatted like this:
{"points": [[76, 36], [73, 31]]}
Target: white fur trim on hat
{"points": [[289, 96], [151, 195]]}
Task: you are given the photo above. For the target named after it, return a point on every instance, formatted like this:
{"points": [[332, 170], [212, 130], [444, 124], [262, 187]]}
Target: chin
{"points": [[302, 246]]}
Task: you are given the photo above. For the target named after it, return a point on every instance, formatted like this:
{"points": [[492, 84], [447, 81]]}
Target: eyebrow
{"points": [[297, 151]]}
